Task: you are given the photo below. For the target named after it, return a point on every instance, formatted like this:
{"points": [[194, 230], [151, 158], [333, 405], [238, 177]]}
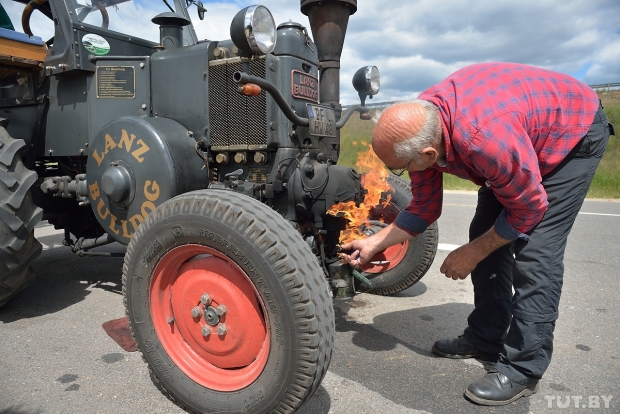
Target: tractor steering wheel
{"points": [[30, 7]]}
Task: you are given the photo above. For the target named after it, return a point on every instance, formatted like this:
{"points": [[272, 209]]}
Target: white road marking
{"points": [[44, 231], [447, 247], [600, 214]]}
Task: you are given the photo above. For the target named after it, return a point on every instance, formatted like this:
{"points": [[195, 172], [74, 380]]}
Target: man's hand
{"points": [[463, 260], [361, 251], [460, 262]]}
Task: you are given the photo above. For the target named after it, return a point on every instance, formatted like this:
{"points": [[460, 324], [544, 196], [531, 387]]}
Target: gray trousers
{"points": [[519, 328]]}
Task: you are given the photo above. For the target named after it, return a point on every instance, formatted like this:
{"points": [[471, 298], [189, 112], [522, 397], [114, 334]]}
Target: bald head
{"points": [[405, 129]]}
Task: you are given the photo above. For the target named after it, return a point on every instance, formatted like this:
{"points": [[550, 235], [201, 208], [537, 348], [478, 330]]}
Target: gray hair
{"points": [[429, 135]]}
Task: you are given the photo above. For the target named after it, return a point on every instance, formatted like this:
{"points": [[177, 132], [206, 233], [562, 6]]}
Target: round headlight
{"points": [[366, 80], [253, 30]]}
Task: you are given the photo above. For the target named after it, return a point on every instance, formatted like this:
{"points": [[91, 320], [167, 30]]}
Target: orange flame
{"points": [[374, 182]]}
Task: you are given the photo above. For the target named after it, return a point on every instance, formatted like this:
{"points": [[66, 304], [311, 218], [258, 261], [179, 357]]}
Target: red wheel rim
{"points": [[224, 361], [393, 255], [387, 259]]}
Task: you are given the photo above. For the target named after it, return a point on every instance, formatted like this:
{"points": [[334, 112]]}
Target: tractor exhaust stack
{"points": [[328, 22]]}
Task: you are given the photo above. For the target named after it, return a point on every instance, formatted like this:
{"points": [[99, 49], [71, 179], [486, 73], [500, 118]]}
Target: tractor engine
{"points": [[257, 114]]}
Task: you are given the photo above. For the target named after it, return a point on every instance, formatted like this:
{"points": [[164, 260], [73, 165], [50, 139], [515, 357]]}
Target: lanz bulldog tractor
{"points": [[215, 162]]}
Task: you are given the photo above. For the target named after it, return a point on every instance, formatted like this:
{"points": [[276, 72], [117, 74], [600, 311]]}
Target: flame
{"points": [[374, 182]]}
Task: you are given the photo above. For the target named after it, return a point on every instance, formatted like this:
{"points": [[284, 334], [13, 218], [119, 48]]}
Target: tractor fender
{"points": [[134, 165]]}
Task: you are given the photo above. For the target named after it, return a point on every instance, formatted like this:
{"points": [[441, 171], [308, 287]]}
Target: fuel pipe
{"points": [[363, 279], [243, 78]]}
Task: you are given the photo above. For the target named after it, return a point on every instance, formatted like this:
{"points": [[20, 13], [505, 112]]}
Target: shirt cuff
{"points": [[410, 223], [506, 231]]}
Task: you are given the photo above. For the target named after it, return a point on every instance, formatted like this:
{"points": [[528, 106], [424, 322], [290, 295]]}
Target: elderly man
{"points": [[532, 139]]}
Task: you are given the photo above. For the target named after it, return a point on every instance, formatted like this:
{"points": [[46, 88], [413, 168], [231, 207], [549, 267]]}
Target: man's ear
{"points": [[429, 155]]}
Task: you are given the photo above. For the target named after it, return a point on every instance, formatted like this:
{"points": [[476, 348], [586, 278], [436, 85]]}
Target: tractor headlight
{"points": [[366, 81], [253, 30]]}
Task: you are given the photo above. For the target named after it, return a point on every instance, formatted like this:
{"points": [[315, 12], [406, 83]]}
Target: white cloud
{"points": [[39, 24], [417, 43]]}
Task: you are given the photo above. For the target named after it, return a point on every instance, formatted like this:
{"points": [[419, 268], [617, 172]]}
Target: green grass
{"points": [[606, 183]]}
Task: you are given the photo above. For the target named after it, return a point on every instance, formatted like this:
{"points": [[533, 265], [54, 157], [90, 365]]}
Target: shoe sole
{"points": [[454, 356], [525, 393]]}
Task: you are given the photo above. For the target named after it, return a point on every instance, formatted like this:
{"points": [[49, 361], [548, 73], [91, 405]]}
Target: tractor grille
{"points": [[236, 122]]}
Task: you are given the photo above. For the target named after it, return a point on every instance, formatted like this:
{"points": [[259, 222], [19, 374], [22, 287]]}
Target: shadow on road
{"points": [[17, 409], [63, 279], [392, 357]]}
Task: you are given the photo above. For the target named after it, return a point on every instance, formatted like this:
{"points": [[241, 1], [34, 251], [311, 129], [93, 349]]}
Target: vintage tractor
{"points": [[215, 162]]}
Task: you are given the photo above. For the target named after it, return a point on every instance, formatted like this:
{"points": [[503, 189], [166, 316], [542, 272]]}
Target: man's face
{"points": [[21, 79], [419, 163]]}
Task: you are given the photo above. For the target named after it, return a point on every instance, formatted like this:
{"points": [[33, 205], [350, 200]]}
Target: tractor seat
{"points": [[21, 49]]}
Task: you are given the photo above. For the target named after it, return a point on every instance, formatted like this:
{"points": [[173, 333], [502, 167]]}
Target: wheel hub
{"points": [[211, 316]]}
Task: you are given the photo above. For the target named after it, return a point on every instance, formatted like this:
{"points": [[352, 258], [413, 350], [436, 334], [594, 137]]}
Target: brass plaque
{"points": [[116, 82], [258, 175]]}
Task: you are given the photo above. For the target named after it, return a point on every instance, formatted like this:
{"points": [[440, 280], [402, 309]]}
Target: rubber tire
{"points": [[420, 252], [300, 312], [18, 217]]}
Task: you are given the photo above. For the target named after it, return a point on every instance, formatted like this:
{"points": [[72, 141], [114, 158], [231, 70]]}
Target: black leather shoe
{"points": [[498, 389], [456, 348]]}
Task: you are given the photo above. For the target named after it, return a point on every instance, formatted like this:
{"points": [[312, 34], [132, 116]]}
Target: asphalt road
{"points": [[56, 358]]}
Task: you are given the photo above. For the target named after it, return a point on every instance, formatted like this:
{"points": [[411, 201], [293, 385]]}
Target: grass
{"points": [[355, 137], [606, 182]]}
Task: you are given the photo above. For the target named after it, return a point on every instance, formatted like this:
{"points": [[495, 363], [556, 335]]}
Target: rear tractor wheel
{"points": [[228, 305], [18, 216]]}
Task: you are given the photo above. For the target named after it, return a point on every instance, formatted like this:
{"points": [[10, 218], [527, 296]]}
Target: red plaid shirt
{"points": [[505, 126]]}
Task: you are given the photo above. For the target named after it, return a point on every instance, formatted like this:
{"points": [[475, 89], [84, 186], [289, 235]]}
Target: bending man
{"points": [[532, 139]]}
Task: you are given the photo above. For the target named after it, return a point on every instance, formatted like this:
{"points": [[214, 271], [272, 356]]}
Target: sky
{"points": [[416, 43]]}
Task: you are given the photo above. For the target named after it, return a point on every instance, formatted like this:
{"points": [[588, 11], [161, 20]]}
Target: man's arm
{"points": [[424, 209]]}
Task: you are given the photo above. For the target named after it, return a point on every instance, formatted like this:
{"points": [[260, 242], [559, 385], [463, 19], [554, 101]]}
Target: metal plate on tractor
{"points": [[304, 86], [116, 82], [322, 121]]}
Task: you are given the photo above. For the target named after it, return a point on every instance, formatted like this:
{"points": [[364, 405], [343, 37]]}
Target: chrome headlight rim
{"points": [[257, 35], [367, 80]]}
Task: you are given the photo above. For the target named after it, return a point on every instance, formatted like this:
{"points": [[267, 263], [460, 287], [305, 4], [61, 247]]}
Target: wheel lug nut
{"points": [[196, 312], [221, 310], [205, 299], [170, 321], [206, 331], [221, 330]]}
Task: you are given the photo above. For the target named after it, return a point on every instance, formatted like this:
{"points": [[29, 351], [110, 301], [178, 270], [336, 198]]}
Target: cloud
{"points": [[416, 43]]}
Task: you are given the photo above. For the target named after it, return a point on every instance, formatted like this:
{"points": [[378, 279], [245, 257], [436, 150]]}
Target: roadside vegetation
{"points": [[355, 138]]}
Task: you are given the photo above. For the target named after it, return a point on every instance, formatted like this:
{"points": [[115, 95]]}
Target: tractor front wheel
{"points": [[228, 305]]}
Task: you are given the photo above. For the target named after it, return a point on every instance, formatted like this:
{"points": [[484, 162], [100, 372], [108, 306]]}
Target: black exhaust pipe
{"points": [[328, 22]]}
